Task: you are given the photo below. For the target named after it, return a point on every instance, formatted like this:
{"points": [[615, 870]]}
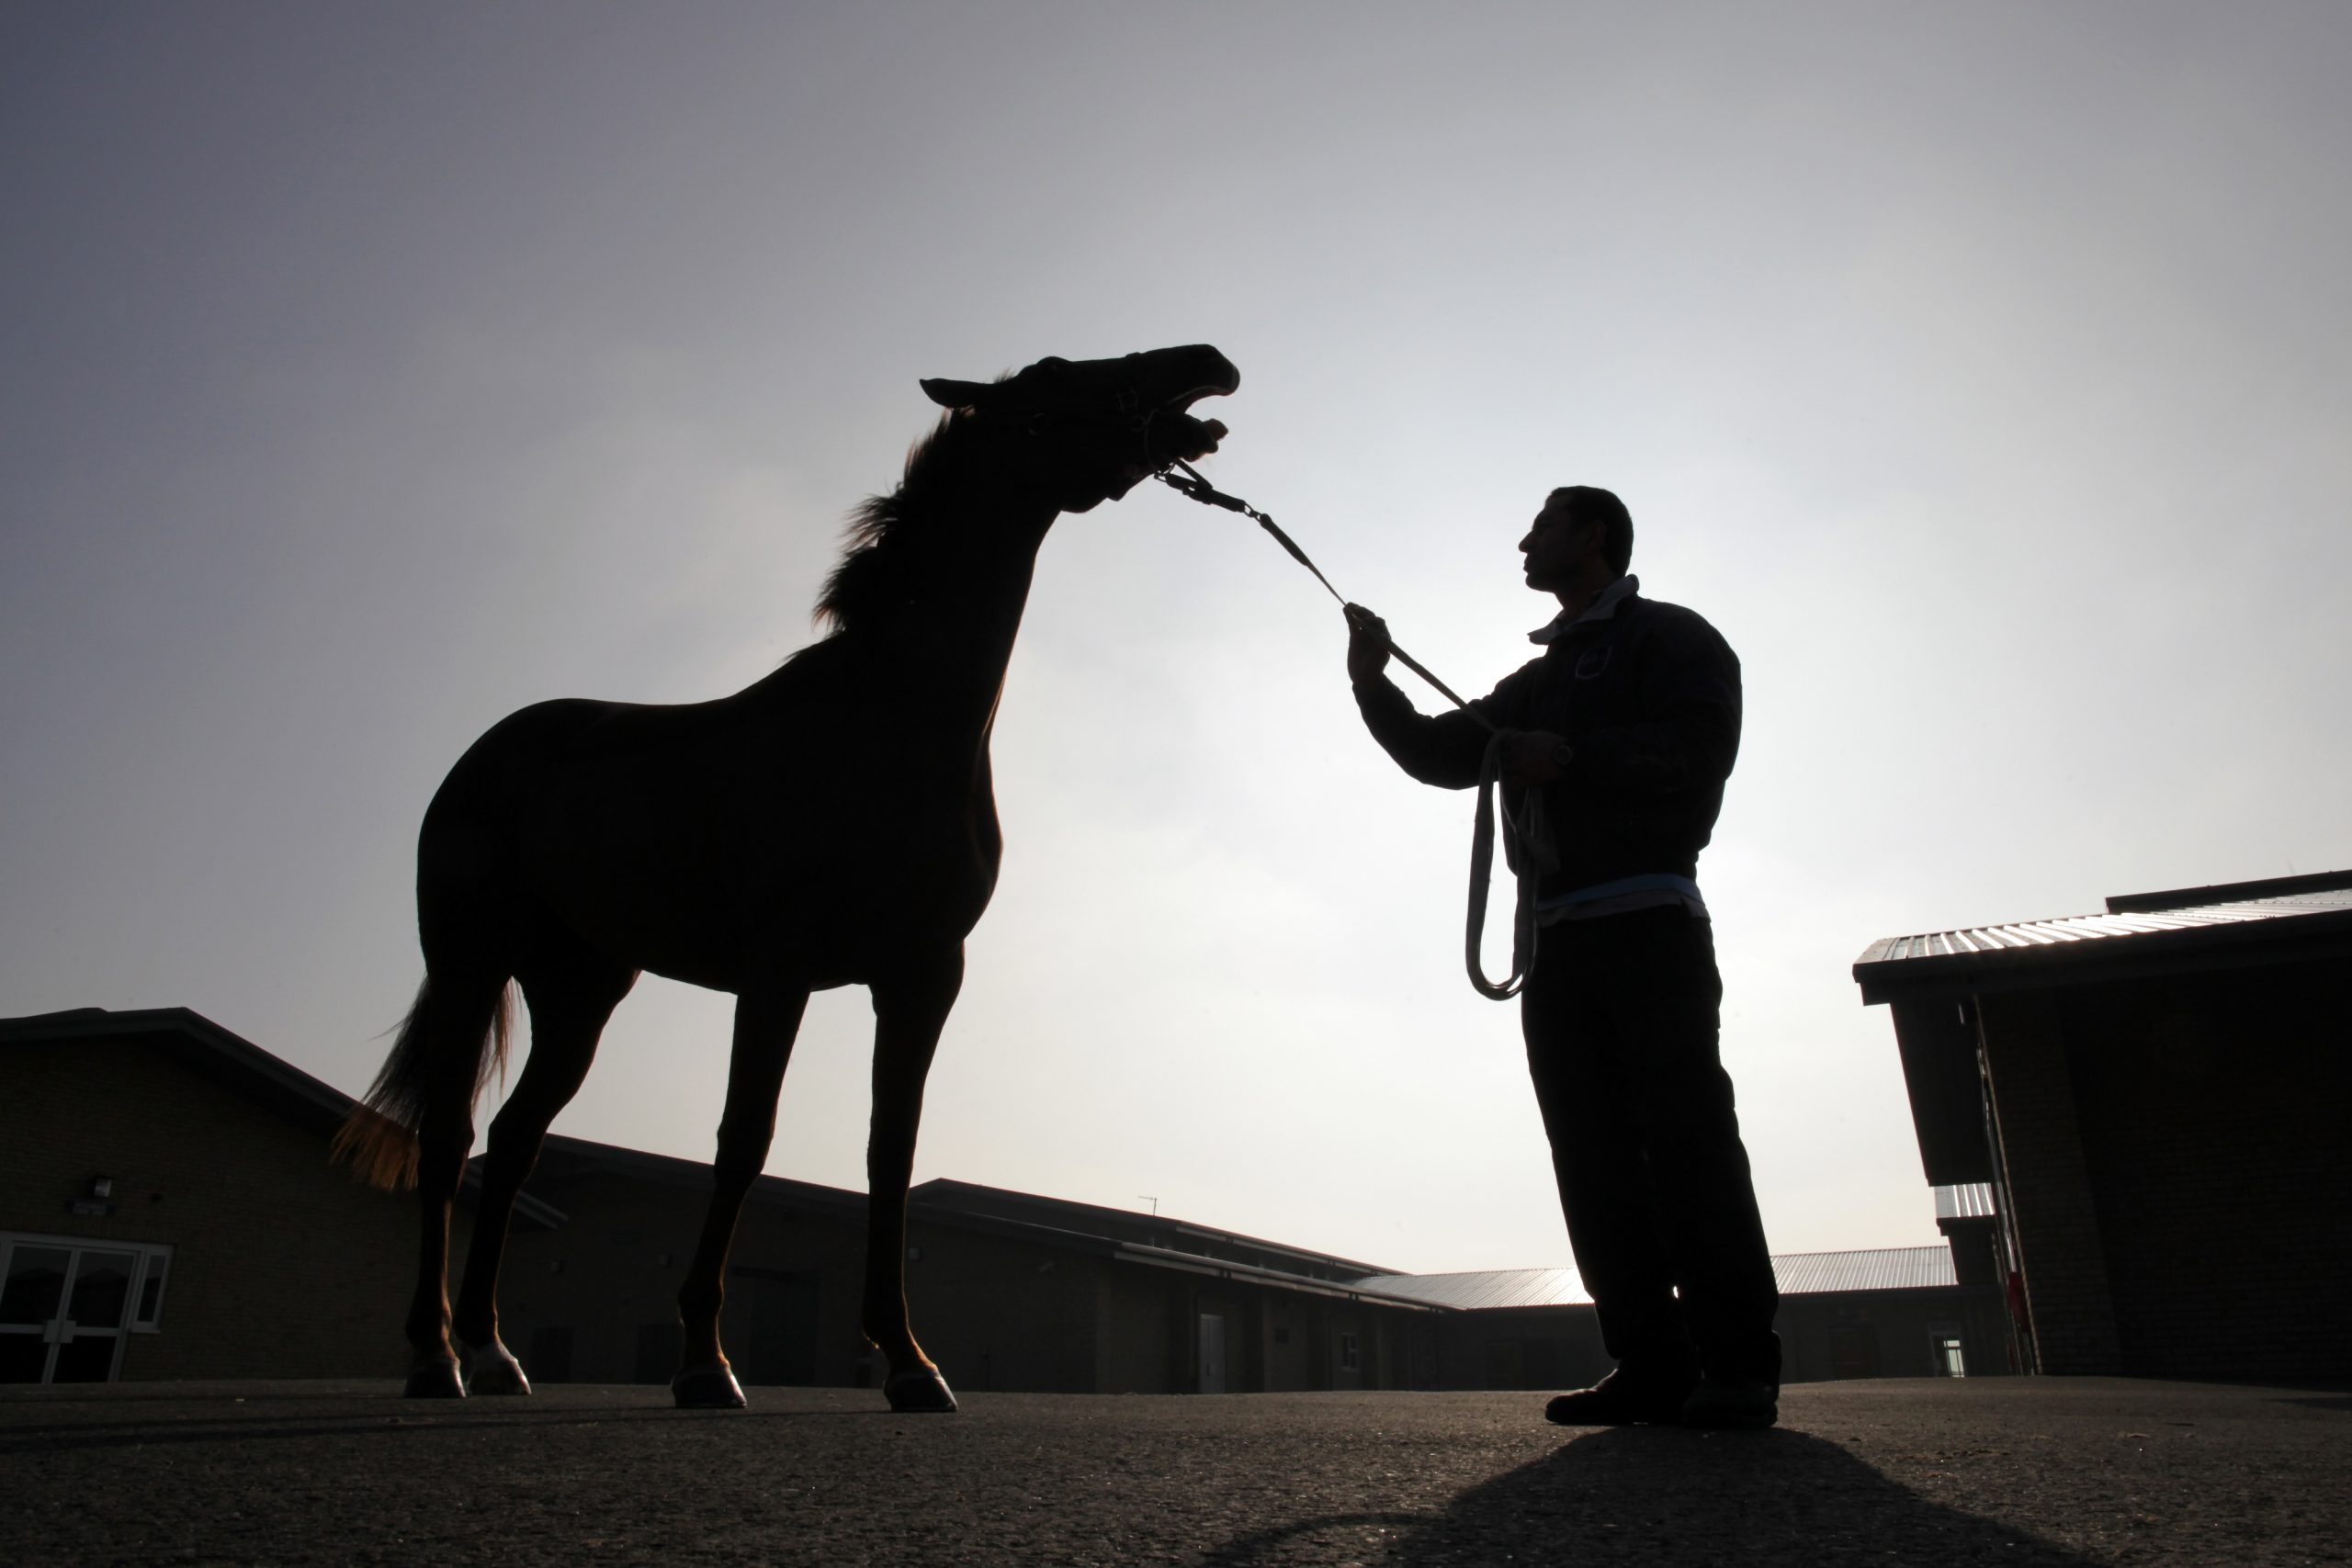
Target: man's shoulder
{"points": [[1660, 614], [1677, 624]]}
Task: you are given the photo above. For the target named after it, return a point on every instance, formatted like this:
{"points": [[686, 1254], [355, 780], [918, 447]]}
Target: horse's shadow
{"points": [[1657, 1497]]}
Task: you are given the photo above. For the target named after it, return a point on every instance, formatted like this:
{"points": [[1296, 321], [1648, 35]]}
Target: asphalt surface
{"points": [[2040, 1471]]}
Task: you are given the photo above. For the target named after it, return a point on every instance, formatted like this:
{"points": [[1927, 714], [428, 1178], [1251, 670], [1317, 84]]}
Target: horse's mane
{"points": [[877, 567]]}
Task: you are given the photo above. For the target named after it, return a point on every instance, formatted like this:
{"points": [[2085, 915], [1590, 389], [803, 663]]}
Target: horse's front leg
{"points": [[909, 1009], [766, 1019]]}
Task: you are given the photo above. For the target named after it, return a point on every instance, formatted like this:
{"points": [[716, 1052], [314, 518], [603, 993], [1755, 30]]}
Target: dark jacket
{"points": [[1648, 697]]}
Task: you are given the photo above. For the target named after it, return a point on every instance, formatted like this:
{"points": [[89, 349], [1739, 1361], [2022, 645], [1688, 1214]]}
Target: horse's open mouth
{"points": [[1176, 434]]}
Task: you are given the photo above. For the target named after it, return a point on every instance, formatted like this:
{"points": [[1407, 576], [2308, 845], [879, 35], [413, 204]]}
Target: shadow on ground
{"points": [[1644, 1494]]}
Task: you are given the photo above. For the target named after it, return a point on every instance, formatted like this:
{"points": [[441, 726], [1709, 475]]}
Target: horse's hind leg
{"points": [[569, 1009], [766, 1023], [909, 1009], [458, 1014]]}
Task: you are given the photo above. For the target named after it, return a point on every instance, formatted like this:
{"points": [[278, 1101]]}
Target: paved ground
{"points": [[2015, 1471]]}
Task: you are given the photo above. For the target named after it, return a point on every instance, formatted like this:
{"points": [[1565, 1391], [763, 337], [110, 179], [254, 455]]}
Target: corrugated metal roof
{"points": [[2090, 928], [1151, 1230], [1965, 1200], [1899, 961], [1883, 1269], [1489, 1289], [1799, 1273]]}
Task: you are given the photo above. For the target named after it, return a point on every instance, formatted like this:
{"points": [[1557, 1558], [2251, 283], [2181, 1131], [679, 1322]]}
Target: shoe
{"points": [[1622, 1399], [1735, 1403]]}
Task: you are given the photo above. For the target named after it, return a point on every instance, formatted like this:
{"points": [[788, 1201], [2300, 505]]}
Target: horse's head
{"points": [[1087, 431]]}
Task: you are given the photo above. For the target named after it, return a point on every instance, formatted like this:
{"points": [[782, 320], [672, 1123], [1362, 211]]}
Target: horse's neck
{"points": [[935, 662], [959, 639]]}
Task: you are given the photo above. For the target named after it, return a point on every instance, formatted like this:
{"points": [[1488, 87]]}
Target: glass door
{"points": [[30, 1297], [63, 1310]]}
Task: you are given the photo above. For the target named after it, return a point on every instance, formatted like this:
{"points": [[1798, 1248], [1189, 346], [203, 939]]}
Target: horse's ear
{"points": [[955, 394]]}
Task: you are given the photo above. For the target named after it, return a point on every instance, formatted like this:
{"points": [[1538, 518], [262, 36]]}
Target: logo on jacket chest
{"points": [[1592, 661]]}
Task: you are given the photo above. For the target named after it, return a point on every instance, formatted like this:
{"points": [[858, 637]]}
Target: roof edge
{"points": [[2227, 893], [2300, 937]]}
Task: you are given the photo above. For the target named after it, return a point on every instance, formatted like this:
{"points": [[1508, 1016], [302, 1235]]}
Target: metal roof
{"points": [[1490, 1289], [2130, 932], [1798, 1273], [1881, 1268], [1133, 1225], [1965, 1200]]}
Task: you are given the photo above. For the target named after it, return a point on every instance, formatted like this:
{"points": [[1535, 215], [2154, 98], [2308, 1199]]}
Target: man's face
{"points": [[1555, 547]]}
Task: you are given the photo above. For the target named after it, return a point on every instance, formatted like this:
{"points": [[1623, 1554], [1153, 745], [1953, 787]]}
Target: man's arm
{"points": [[1445, 750]]}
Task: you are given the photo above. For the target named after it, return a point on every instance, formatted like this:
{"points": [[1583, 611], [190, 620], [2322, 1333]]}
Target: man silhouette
{"points": [[1628, 723]]}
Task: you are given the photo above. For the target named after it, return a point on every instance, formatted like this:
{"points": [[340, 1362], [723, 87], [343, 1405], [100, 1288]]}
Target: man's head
{"points": [[1581, 542]]}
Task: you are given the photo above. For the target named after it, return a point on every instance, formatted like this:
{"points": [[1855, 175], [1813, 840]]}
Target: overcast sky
{"points": [[371, 371]]}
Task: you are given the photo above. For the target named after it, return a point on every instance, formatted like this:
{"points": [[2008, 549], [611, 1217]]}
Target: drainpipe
{"points": [[2022, 1350]]}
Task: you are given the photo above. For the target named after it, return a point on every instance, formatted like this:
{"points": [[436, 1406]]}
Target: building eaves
{"points": [[2276, 925]]}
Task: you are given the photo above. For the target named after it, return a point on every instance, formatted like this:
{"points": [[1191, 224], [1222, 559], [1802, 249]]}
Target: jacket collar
{"points": [[1602, 609]]}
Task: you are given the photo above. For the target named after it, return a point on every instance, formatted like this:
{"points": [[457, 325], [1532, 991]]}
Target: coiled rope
{"points": [[1529, 834]]}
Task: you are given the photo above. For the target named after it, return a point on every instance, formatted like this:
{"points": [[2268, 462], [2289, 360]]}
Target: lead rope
{"points": [[1528, 834]]}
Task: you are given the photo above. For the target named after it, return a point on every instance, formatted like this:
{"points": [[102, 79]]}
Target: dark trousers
{"points": [[1620, 1018]]}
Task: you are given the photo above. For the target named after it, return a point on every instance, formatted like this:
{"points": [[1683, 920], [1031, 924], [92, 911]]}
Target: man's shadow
{"points": [[1656, 1496]]}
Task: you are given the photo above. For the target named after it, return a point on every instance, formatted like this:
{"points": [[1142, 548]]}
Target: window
{"points": [[148, 1319], [1944, 1345], [1348, 1359]]}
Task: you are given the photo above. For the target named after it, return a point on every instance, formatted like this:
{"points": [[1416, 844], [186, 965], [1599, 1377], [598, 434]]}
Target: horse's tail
{"points": [[379, 1139]]}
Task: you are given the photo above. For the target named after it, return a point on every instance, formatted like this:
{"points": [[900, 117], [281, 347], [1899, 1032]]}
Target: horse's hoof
{"points": [[493, 1370], [436, 1379], [707, 1388], [920, 1391]]}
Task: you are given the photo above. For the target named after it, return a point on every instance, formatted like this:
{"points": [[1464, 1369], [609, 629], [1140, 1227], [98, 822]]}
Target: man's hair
{"points": [[1589, 503]]}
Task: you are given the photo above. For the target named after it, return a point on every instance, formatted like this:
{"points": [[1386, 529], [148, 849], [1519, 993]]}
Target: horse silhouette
{"points": [[831, 824]]}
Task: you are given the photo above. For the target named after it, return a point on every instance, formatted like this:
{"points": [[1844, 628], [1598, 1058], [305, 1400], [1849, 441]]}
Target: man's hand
{"points": [[1367, 644], [1534, 757]]}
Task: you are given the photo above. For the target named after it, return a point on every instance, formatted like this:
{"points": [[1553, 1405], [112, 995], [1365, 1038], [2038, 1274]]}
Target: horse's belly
{"points": [[726, 916]]}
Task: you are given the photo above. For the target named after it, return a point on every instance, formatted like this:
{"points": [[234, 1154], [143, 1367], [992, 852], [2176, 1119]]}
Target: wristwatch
{"points": [[1562, 755]]}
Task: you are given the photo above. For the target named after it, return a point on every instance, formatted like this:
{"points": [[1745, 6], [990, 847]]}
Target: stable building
{"points": [[167, 1210], [2135, 1123], [1007, 1291]]}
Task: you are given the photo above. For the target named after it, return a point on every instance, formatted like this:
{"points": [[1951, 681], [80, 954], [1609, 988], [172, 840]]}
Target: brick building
{"points": [[2138, 1119], [167, 1210]]}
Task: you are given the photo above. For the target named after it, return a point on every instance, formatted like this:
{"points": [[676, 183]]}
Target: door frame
{"points": [[151, 1262]]}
